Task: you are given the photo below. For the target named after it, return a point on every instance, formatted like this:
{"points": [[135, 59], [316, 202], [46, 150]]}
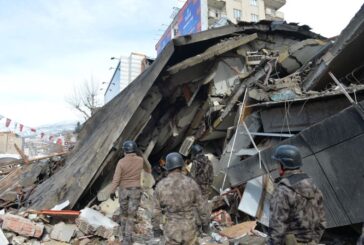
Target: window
{"points": [[254, 2], [254, 18], [237, 14]]}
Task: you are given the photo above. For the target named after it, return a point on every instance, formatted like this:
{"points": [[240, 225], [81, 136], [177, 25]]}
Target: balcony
{"points": [[217, 4], [274, 4], [271, 14], [215, 15]]}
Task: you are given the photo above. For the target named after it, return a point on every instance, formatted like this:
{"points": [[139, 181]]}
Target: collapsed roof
{"points": [[229, 89]]}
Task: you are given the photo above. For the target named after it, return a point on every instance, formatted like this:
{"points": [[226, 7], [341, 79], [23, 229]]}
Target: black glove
{"points": [[112, 196], [157, 233]]}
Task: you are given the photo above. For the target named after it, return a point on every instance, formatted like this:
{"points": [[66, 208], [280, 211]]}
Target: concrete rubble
{"points": [[238, 90], [91, 222], [21, 226], [63, 232]]}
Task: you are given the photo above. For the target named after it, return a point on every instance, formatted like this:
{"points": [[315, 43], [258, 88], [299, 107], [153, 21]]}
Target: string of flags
{"points": [[23, 129]]}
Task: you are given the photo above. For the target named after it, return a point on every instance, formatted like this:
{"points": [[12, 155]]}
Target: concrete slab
{"points": [[63, 232]]}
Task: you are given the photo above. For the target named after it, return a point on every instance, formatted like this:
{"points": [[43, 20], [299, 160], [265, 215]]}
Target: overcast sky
{"points": [[47, 46]]}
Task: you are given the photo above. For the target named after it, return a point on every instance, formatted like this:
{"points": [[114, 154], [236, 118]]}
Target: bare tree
{"points": [[84, 98]]}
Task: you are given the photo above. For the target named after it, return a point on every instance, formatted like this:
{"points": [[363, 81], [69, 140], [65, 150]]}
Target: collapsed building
{"points": [[240, 91]]}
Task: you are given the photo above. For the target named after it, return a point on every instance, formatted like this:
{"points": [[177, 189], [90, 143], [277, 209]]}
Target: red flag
{"points": [[8, 121], [21, 126], [33, 130], [41, 135], [59, 141]]}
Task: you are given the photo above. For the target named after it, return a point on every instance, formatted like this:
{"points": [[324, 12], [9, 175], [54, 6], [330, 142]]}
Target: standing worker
{"points": [[127, 177], [296, 209], [178, 196], [202, 170]]}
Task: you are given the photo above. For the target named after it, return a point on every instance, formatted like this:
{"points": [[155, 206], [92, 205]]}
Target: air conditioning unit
{"points": [[253, 58], [186, 145]]}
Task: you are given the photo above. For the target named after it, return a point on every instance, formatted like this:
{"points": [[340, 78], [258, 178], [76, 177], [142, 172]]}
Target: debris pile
{"points": [[96, 225], [239, 91]]}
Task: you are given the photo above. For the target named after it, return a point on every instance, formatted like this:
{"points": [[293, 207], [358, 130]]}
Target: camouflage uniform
{"points": [[296, 208], [203, 173], [129, 199], [177, 196]]}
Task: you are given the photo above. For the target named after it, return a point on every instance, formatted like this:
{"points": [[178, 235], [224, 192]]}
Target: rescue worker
{"points": [[127, 177], [202, 170], [296, 209], [177, 196]]}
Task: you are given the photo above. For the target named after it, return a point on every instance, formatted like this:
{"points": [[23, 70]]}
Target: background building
{"points": [[127, 69], [200, 15], [8, 141]]}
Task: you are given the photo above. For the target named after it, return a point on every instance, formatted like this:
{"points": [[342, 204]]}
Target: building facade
{"points": [[200, 15], [8, 141], [127, 69]]}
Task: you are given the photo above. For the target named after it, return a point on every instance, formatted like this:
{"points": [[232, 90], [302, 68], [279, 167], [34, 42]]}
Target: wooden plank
{"points": [[346, 179], [22, 154], [238, 230], [334, 212], [93, 153]]}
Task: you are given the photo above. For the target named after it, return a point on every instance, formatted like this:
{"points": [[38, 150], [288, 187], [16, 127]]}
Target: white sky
{"points": [[48, 46]]}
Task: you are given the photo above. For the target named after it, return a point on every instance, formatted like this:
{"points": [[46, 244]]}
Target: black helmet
{"points": [[129, 146], [195, 149], [174, 160], [289, 156]]}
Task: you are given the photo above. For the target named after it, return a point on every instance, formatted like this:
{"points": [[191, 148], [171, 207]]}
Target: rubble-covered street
{"points": [[239, 90]]}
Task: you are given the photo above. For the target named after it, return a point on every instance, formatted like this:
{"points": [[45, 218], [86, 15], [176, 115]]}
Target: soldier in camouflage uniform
{"points": [[296, 209], [177, 196], [127, 177], [202, 170]]}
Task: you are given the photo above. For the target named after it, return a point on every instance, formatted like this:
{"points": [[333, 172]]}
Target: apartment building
{"points": [[200, 15], [244, 10], [127, 69]]}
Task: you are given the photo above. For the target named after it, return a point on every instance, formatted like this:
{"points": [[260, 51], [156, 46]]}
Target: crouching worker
{"points": [[296, 208], [177, 196]]}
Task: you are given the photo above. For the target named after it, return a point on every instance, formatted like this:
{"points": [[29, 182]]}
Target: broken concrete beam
{"points": [[213, 51], [92, 222], [63, 232], [21, 226]]}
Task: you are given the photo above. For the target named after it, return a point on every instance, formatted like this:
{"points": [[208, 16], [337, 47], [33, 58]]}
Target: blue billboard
{"points": [[167, 36], [189, 18], [187, 21]]}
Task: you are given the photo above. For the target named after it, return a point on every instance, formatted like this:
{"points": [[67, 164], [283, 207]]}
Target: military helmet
{"points": [[289, 156], [129, 146], [195, 149], [174, 160]]}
